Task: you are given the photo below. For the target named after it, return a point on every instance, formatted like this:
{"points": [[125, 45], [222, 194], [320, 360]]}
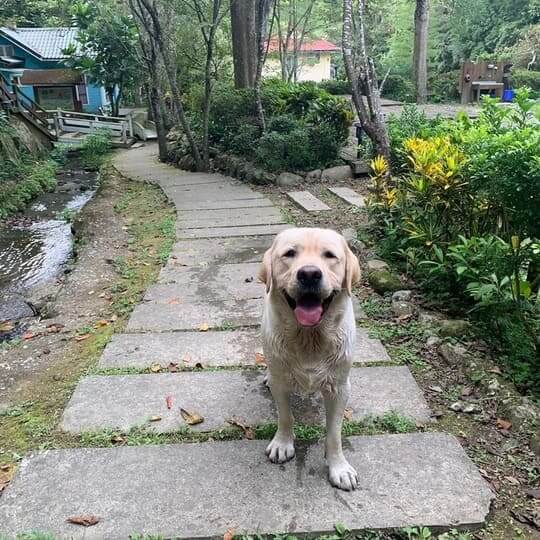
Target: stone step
{"points": [[235, 218], [228, 232], [192, 284], [127, 401], [212, 349], [222, 204], [349, 196], [217, 314], [192, 491], [238, 249], [307, 201], [214, 192]]}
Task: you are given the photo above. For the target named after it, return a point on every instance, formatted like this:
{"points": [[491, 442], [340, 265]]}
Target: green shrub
{"points": [[283, 123], [530, 79], [286, 151], [444, 87], [245, 140], [336, 87], [95, 148], [399, 88]]}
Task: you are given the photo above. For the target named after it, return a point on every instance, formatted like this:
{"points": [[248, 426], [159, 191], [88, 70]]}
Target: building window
{"points": [[6, 50]]}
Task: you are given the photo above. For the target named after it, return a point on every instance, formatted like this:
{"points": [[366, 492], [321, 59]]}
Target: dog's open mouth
{"points": [[309, 308]]}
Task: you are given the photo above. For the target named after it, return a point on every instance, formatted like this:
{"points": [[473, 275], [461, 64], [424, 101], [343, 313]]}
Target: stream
{"points": [[36, 243]]}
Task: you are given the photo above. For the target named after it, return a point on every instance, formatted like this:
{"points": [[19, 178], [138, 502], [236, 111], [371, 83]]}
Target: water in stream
{"points": [[35, 244]]}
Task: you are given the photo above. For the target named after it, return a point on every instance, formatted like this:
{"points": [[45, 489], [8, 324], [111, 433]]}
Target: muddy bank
{"points": [[36, 245]]}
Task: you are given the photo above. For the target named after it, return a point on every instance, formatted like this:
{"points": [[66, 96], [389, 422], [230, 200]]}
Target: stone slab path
{"points": [[307, 201], [200, 490], [349, 196], [211, 349]]}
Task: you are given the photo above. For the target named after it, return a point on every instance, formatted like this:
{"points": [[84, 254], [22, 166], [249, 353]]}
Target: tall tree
{"points": [[361, 73], [421, 25], [209, 14], [244, 42], [106, 49], [263, 8], [152, 15]]}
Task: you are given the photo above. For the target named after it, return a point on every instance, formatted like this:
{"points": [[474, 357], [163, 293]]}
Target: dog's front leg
{"points": [[281, 448], [341, 474]]}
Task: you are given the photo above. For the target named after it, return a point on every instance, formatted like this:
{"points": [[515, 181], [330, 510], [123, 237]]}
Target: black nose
{"points": [[309, 276]]}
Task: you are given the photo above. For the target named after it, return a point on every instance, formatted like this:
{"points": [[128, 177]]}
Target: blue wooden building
{"points": [[32, 59]]}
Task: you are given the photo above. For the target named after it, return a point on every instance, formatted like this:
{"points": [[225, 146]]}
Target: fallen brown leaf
{"points": [[248, 430], [229, 535], [503, 424], [155, 418], [54, 328], [512, 480], [168, 401], [101, 323], [82, 337], [467, 391], [495, 370], [6, 326], [5, 475], [260, 359], [85, 521], [155, 367], [118, 439], [204, 327], [347, 414], [28, 335], [173, 301], [191, 418], [173, 367]]}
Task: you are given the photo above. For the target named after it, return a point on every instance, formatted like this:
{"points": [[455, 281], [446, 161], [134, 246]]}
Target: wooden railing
{"points": [[69, 121]]}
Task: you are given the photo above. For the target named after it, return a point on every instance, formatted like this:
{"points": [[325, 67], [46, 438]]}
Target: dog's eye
{"points": [[290, 253], [329, 255]]}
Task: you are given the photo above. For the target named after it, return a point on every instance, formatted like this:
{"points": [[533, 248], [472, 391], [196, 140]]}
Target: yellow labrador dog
{"points": [[308, 331]]}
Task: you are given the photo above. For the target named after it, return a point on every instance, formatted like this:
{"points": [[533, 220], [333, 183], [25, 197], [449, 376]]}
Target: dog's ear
{"points": [[265, 271], [352, 269]]}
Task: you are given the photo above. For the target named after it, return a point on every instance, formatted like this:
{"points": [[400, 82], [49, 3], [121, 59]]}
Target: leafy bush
{"points": [[462, 214], [444, 87], [306, 126], [399, 88], [95, 148], [530, 79], [335, 87], [244, 142]]}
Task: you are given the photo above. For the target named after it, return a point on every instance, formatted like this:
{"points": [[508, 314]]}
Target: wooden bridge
{"points": [[68, 126]]}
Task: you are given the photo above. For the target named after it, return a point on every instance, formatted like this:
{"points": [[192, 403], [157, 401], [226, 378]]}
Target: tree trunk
{"points": [[421, 24], [363, 78], [263, 10], [244, 42], [154, 99]]}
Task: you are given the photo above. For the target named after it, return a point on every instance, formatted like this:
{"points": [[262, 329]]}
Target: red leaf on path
{"points": [[229, 535], [54, 328], [248, 430], [168, 401], [85, 521], [260, 359], [28, 335]]}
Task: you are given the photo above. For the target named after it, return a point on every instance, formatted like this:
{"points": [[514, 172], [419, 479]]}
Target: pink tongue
{"points": [[308, 316]]}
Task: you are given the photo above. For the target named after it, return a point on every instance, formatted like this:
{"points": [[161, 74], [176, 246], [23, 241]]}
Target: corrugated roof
{"points": [[45, 43], [316, 45]]}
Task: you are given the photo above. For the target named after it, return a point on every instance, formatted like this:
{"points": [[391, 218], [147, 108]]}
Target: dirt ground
{"points": [[501, 451]]}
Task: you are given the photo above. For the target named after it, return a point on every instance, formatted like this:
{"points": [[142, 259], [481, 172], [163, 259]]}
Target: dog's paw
{"points": [[280, 450], [343, 476]]}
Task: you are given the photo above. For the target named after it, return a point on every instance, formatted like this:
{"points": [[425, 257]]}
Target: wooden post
{"points": [[130, 120]]}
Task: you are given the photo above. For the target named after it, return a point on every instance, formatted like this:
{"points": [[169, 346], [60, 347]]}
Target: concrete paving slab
{"points": [[348, 195], [152, 317], [222, 204], [212, 349], [229, 218], [214, 192], [231, 314], [241, 249], [196, 491], [229, 232], [192, 284], [127, 401], [307, 201]]}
